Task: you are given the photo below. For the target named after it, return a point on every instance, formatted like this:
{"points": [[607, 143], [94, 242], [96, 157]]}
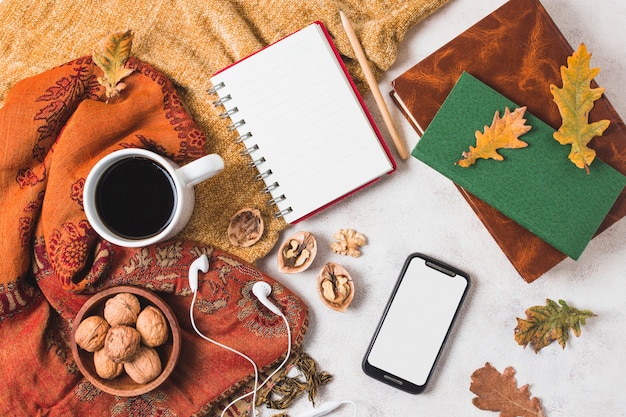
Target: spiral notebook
{"points": [[304, 125]]}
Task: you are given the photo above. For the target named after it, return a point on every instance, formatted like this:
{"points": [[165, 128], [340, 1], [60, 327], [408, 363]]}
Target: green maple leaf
{"points": [[545, 324]]}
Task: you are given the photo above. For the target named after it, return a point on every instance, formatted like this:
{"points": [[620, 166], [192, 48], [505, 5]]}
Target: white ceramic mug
{"points": [[134, 197]]}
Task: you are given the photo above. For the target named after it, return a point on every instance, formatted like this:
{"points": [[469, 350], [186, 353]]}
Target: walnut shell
{"points": [[145, 366], [152, 326], [246, 227], [105, 367], [297, 253], [335, 286], [91, 332], [122, 309], [122, 343]]}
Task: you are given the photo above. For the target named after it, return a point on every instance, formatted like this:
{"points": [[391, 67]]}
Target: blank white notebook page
{"points": [[316, 140]]}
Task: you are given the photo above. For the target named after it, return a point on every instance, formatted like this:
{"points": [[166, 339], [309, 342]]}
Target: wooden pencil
{"points": [[373, 84]]}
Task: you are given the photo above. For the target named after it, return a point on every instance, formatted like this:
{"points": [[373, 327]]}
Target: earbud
{"points": [[200, 264], [262, 290]]}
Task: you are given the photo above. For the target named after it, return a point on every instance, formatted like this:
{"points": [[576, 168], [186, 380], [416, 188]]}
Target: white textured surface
{"points": [[416, 209]]}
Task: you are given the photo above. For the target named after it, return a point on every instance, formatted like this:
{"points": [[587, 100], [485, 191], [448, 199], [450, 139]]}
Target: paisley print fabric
{"points": [[53, 128]]}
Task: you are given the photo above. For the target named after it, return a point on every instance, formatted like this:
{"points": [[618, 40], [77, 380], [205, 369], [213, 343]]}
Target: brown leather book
{"points": [[517, 50]]}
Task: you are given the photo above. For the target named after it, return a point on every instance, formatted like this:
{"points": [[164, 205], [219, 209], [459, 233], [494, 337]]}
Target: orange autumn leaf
{"points": [[497, 391], [503, 133], [575, 100], [110, 56]]}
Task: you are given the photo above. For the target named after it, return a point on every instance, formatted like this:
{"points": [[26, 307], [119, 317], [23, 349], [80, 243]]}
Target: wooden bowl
{"points": [[123, 385]]}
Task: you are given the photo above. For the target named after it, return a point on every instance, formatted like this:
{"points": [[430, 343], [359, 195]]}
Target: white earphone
{"points": [[261, 290], [200, 264]]}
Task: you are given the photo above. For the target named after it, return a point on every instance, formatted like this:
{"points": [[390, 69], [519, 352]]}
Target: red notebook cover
{"points": [[517, 50]]}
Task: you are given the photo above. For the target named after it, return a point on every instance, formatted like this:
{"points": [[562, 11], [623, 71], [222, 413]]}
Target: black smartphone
{"points": [[416, 322]]}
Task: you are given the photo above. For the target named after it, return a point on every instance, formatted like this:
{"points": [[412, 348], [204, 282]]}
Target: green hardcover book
{"points": [[537, 186]]}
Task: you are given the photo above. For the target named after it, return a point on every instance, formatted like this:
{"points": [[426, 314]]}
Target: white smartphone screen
{"points": [[417, 321]]}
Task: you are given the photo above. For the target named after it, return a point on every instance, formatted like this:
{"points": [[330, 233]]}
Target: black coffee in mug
{"points": [[135, 198]]}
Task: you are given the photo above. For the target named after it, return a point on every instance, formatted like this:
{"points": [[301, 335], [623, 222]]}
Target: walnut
{"points": [[145, 366], [335, 286], [91, 332], [105, 367], [246, 227], [152, 326], [349, 242], [122, 343], [297, 253], [122, 309]]}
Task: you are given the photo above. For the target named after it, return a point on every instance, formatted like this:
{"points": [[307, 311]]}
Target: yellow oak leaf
{"points": [[504, 132], [110, 56], [575, 100]]}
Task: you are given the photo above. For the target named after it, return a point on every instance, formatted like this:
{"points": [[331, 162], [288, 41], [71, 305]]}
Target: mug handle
{"points": [[200, 169]]}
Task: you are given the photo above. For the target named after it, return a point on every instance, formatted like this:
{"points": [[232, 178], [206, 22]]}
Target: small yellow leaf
{"points": [[504, 132], [575, 100], [111, 55]]}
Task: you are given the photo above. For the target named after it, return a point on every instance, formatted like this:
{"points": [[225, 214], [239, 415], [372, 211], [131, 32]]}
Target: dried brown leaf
{"points": [[497, 391]]}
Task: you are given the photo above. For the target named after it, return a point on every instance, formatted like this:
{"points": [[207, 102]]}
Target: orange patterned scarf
{"points": [[53, 128]]}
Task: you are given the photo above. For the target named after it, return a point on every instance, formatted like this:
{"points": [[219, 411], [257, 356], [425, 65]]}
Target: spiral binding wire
{"points": [[263, 175], [243, 137], [222, 100], [235, 125], [269, 188], [229, 113], [256, 162], [277, 199], [249, 150], [215, 88]]}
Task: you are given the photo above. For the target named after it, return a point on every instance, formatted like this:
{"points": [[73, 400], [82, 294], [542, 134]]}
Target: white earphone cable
{"points": [[286, 357], [256, 370], [354, 407]]}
